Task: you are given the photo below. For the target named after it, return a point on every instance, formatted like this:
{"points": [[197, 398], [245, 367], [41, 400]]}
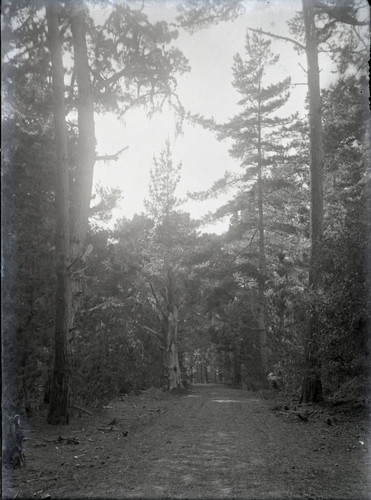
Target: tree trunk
{"points": [[173, 367], [236, 368], [71, 233], [262, 259], [12, 446], [82, 189], [312, 388], [60, 391], [172, 349]]}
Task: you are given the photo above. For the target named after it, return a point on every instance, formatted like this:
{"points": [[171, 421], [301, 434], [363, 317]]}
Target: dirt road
{"points": [[214, 442]]}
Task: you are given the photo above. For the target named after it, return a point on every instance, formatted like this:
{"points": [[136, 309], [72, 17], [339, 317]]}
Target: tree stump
{"points": [[13, 453]]}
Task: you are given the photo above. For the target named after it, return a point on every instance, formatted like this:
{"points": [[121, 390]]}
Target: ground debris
{"points": [[284, 409], [54, 478], [60, 440], [68, 440], [110, 428], [302, 417], [307, 412], [83, 410], [41, 495], [154, 393]]}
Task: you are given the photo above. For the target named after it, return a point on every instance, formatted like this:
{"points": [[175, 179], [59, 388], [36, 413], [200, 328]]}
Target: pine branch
{"points": [[218, 187], [197, 119], [279, 37], [340, 13]]}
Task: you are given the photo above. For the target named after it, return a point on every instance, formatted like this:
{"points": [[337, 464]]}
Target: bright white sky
{"points": [[206, 89]]}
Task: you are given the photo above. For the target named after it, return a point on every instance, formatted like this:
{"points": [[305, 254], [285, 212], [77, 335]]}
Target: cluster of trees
{"points": [[89, 313], [124, 62]]}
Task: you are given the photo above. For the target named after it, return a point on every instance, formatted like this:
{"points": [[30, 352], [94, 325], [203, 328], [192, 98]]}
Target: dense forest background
{"points": [[155, 300]]}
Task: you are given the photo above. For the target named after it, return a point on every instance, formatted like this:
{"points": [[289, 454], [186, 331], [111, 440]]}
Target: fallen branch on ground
{"points": [[83, 410], [42, 479], [107, 429]]}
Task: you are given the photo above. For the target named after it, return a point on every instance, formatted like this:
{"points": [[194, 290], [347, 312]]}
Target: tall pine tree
{"points": [[259, 145]]}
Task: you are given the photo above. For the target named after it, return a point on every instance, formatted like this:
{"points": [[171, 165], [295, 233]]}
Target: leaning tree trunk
{"points": [[312, 387], [60, 391]]}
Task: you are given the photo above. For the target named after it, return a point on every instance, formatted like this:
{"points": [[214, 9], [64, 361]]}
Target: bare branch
{"points": [[102, 305], [113, 157], [165, 298], [158, 335], [247, 246], [360, 38], [157, 302], [82, 409]]}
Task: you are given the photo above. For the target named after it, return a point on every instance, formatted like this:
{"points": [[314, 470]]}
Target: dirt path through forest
{"points": [[213, 442]]}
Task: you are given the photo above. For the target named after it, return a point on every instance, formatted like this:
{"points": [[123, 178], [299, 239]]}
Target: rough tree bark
{"points": [[71, 232], [60, 391], [82, 188], [312, 387]]}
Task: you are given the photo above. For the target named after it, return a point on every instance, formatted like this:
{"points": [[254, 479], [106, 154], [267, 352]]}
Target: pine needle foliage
{"points": [[164, 178]]}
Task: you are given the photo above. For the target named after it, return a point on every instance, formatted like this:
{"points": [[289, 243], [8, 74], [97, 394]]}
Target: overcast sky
{"points": [[206, 89]]}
